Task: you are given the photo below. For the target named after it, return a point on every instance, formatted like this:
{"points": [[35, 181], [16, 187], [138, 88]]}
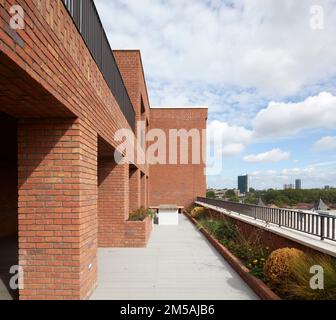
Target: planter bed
{"points": [[138, 233], [258, 286]]}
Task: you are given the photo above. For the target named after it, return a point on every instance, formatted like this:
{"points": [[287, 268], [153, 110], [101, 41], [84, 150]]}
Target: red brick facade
{"points": [[113, 203], [134, 189], [62, 194], [137, 233], [57, 208], [178, 184]]}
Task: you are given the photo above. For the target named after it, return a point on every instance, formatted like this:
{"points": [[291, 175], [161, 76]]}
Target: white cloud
{"points": [[275, 155], [325, 144], [235, 57], [263, 44], [298, 171], [315, 175], [312, 176], [231, 134], [271, 62], [233, 138], [287, 119], [279, 120], [232, 149], [283, 120]]}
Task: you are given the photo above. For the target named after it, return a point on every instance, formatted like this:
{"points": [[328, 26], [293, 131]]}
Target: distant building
{"points": [[244, 184], [237, 192], [327, 188], [298, 184], [261, 203], [288, 186], [321, 206], [220, 193]]}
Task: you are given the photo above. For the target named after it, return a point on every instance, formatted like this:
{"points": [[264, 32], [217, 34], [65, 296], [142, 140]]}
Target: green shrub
{"points": [[300, 287], [286, 270], [289, 273], [198, 213], [191, 208], [279, 268], [141, 214], [222, 230], [251, 251]]}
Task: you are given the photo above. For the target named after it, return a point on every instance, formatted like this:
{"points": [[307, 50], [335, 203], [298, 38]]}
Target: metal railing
{"points": [[320, 225], [86, 18]]}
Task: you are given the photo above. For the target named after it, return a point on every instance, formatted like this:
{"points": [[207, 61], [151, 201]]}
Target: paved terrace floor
{"points": [[178, 264]]}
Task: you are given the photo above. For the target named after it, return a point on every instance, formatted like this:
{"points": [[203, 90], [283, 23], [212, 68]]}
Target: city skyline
{"points": [[297, 185]]}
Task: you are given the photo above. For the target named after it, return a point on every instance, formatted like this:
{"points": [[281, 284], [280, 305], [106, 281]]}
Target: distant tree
{"points": [[283, 198], [293, 197], [251, 199], [252, 190], [230, 194], [234, 198], [211, 194]]}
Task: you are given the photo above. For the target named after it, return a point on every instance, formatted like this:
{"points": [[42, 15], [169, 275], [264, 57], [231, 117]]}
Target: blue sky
{"points": [[265, 68]]}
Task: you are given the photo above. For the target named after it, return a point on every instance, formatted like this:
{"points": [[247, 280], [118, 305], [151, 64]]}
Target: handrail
{"points": [[89, 25], [320, 225]]}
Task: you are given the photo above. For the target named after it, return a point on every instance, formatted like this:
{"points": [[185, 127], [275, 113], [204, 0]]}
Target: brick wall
{"points": [[53, 69], [113, 203], [57, 164], [177, 184], [134, 189], [131, 68], [119, 194], [57, 81], [143, 191], [138, 233]]}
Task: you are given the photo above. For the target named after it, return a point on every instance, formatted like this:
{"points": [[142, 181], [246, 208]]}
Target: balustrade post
{"points": [[322, 227]]}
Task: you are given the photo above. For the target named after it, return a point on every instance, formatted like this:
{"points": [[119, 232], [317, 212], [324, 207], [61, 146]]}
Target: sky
{"points": [[265, 68]]}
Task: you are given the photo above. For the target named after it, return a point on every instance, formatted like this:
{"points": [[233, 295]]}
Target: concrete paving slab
{"points": [[178, 264]]}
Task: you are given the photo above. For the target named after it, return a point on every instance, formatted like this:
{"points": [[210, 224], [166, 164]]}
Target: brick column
{"points": [[57, 165], [143, 191], [134, 189], [147, 191], [113, 203]]}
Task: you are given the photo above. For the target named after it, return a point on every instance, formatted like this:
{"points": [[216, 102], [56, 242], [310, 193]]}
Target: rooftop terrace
{"points": [[178, 264]]}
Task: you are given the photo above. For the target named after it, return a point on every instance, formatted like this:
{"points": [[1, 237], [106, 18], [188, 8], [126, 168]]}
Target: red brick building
{"points": [[63, 96], [179, 183]]}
